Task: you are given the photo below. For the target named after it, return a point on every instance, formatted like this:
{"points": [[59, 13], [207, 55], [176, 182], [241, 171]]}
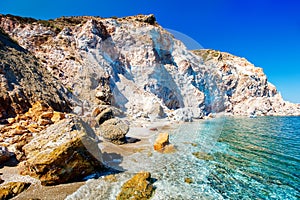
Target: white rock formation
{"points": [[151, 74]]}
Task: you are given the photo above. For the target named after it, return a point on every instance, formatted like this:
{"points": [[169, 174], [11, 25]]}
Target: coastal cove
{"points": [[118, 108], [222, 158]]}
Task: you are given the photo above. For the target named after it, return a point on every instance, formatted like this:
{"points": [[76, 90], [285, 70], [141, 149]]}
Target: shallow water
{"points": [[224, 158]]}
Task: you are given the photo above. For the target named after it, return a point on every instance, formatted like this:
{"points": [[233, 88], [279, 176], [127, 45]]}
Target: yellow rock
{"points": [[47, 115], [44, 122], [11, 120], [57, 116], [138, 187], [161, 141], [33, 128], [12, 189], [60, 154]]}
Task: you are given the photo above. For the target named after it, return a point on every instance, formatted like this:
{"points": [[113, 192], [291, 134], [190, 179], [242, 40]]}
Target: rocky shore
{"points": [[78, 95]]}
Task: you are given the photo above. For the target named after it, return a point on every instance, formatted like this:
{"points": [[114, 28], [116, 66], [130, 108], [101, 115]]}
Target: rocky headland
{"points": [[72, 83]]}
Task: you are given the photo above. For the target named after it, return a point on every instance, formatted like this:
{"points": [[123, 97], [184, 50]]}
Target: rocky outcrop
{"points": [[12, 189], [114, 130], [134, 64], [243, 89], [24, 81], [19, 130], [65, 151], [138, 187]]}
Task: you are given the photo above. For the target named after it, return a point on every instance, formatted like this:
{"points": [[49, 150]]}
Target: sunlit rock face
{"points": [[142, 68]]}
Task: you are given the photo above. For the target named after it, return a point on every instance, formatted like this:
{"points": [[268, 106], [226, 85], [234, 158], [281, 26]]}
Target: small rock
{"points": [[100, 95], [97, 110], [161, 141], [153, 129], [11, 120], [44, 122], [156, 111], [105, 115], [138, 187], [12, 189], [46, 115], [114, 130], [4, 154], [57, 116], [188, 180]]}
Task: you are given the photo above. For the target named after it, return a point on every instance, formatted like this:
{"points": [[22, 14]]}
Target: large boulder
{"points": [[12, 189], [66, 151], [138, 187], [114, 130]]}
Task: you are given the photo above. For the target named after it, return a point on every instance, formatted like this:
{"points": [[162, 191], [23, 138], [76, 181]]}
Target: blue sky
{"points": [[266, 32]]}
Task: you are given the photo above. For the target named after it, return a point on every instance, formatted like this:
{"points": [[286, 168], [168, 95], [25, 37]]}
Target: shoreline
{"points": [[139, 135], [114, 156]]}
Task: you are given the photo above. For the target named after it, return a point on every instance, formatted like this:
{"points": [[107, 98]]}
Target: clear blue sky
{"points": [[266, 32]]}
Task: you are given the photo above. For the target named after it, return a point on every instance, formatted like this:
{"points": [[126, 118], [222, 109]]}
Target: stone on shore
{"points": [[138, 187], [162, 144], [64, 152], [12, 189], [114, 130], [4, 154], [104, 115]]}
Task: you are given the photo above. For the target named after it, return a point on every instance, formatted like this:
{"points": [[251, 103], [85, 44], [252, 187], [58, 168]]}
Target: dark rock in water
{"points": [[4, 154], [12, 189], [138, 187], [114, 130], [64, 152]]}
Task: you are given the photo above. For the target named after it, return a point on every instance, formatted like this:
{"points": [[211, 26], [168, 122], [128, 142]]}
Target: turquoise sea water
{"points": [[242, 158], [223, 158], [262, 160]]}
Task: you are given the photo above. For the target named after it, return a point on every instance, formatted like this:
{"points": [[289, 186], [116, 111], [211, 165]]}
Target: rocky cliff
{"points": [[138, 67], [24, 81]]}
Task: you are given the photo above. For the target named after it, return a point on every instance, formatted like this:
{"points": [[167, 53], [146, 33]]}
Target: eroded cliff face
{"points": [[137, 66], [24, 81]]}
